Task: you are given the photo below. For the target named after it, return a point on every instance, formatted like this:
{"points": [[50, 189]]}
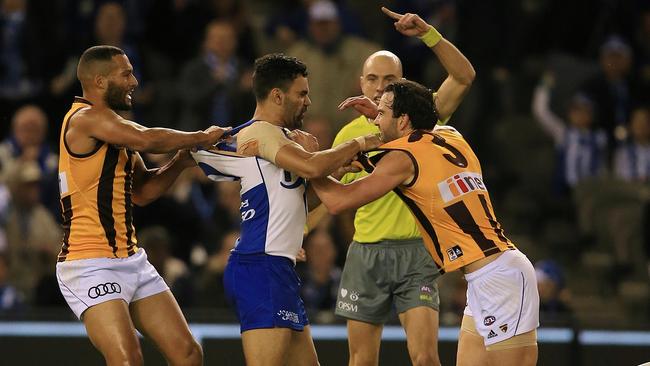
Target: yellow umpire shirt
{"points": [[387, 218]]}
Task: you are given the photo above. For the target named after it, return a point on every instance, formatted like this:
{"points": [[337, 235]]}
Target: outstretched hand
{"points": [[408, 24], [361, 104], [214, 133]]}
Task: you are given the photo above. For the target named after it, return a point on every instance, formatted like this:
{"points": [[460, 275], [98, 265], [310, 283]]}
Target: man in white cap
{"points": [[334, 60]]}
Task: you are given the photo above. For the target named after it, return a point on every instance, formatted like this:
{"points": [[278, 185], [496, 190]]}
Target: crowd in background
{"points": [[558, 115]]}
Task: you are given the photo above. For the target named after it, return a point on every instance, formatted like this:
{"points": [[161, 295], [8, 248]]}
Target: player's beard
{"points": [[390, 133], [299, 118], [295, 119], [115, 98]]}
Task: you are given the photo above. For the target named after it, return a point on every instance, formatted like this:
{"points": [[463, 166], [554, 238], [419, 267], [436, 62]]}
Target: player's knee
{"points": [[361, 359], [125, 356], [425, 358], [189, 353]]}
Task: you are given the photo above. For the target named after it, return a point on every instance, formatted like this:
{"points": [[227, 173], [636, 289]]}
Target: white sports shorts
{"points": [[502, 297], [88, 282]]}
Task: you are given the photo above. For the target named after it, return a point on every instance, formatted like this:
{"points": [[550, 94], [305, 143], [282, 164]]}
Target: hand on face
{"points": [[361, 104]]}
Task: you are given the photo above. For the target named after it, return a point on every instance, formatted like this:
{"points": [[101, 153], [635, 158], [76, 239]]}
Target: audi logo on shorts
{"points": [[104, 289]]}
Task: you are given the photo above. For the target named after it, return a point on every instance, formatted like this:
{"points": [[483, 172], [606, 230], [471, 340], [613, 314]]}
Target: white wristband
{"points": [[362, 142]]}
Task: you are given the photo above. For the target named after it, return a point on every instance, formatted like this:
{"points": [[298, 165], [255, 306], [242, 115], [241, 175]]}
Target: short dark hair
{"points": [[96, 54], [100, 53], [416, 100], [275, 70]]}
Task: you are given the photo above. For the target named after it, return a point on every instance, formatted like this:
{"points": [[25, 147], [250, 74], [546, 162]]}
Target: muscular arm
{"points": [[461, 72], [461, 75], [394, 169], [90, 125], [268, 142], [150, 184], [317, 164]]}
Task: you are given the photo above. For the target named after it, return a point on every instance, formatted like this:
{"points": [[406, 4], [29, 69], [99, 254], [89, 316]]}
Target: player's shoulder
{"points": [[261, 125], [87, 111], [91, 116], [397, 144], [259, 129]]}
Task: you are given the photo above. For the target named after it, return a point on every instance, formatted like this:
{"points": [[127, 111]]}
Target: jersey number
{"points": [[459, 211], [457, 158]]}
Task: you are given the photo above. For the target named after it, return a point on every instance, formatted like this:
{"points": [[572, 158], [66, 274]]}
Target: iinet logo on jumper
{"points": [[460, 184]]}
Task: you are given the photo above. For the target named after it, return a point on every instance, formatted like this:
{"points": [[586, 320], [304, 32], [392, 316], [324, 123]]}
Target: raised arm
{"points": [[90, 125], [550, 122], [460, 70], [394, 169]]}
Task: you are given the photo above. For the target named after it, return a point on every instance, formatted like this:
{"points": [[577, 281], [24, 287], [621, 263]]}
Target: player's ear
{"points": [[403, 121], [101, 81], [277, 96]]}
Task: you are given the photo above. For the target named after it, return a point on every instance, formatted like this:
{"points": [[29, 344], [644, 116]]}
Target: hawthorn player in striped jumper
{"points": [[385, 230], [103, 275], [436, 173]]}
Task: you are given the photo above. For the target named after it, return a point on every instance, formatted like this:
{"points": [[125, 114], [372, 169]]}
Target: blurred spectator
{"points": [[27, 142], [581, 148], [33, 236], [109, 28], [632, 159], [173, 31], [290, 21], [10, 299], [211, 279], [321, 129], [642, 50], [334, 60], [174, 210], [553, 294], [227, 217], [321, 277], [157, 243], [611, 90], [21, 57], [453, 298], [236, 13], [210, 81], [5, 203]]}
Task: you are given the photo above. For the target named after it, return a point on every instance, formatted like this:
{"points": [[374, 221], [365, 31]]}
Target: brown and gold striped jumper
{"points": [[96, 203], [449, 199]]}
